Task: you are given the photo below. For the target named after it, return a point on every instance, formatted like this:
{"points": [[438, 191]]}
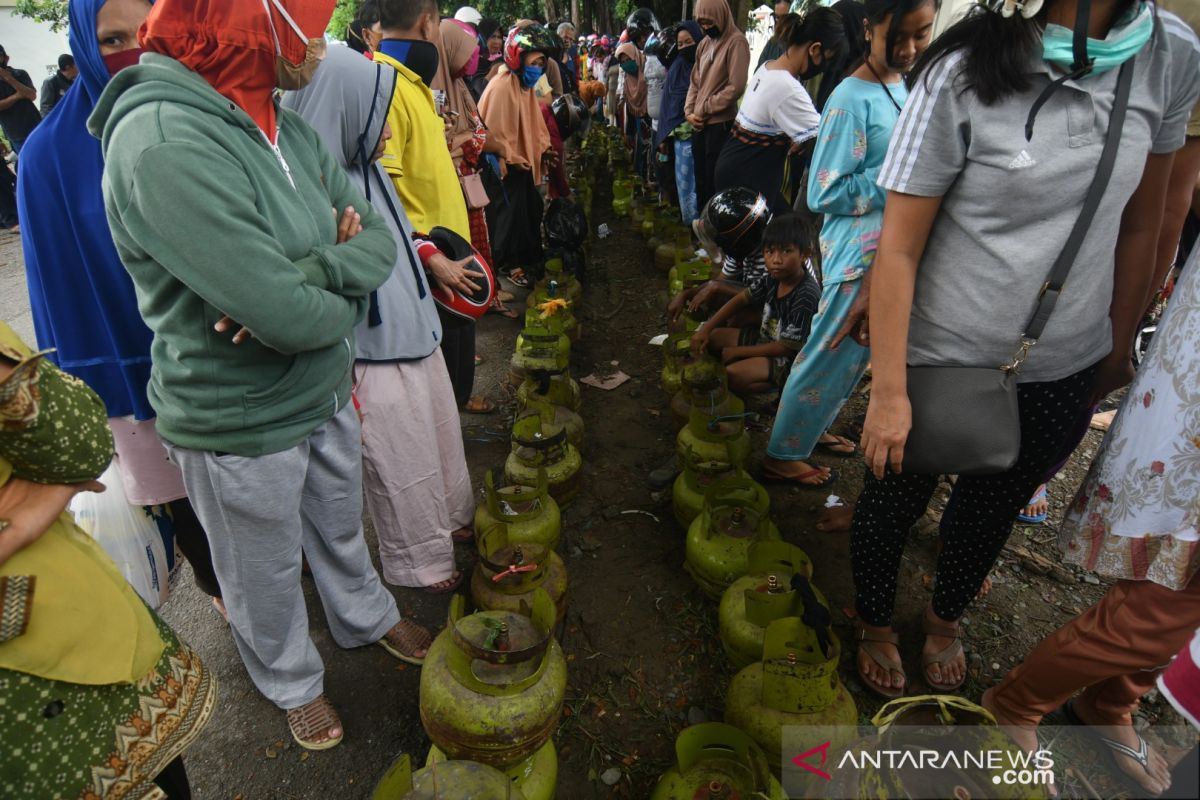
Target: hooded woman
{"points": [[632, 63], [718, 80], [517, 134], [418, 488], [670, 117], [82, 298], [220, 207]]}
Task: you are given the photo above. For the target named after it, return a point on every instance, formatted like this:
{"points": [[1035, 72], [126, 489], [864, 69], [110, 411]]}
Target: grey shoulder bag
{"points": [[964, 419]]}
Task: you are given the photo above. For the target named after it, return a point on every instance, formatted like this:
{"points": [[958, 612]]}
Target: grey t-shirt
{"points": [[1008, 205]]}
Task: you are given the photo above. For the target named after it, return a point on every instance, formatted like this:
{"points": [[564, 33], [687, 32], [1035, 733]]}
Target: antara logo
{"points": [[802, 760]]}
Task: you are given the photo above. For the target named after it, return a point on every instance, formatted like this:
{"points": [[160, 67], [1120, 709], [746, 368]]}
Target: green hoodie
{"points": [[208, 223]]}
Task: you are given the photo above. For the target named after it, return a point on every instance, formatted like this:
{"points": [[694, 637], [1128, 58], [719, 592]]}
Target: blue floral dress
{"points": [[852, 143]]}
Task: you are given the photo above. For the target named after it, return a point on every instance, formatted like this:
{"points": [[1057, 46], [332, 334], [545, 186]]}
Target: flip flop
{"points": [[1141, 756], [866, 643], [519, 278], [840, 441], [944, 656], [1035, 519], [447, 586], [799, 480], [505, 311], [479, 405], [463, 536], [505, 297]]}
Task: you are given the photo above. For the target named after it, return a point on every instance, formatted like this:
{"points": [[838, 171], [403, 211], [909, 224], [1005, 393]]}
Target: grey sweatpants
{"points": [[259, 512]]}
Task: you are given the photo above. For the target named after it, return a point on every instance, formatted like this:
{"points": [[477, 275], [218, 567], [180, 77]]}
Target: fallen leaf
{"points": [[926, 581], [304, 756], [272, 752]]}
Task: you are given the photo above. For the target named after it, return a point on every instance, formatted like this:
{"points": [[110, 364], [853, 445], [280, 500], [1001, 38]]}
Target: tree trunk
{"points": [[741, 12], [575, 16], [550, 7]]}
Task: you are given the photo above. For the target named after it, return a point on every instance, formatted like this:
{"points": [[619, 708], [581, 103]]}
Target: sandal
{"points": [[313, 720], [800, 480], [944, 656], [519, 278], [503, 310], [406, 638], [1141, 756], [446, 586], [504, 297], [463, 536], [1035, 519], [479, 405], [838, 446], [866, 643]]}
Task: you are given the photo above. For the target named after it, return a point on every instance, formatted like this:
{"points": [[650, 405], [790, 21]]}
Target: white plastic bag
{"points": [[127, 534]]}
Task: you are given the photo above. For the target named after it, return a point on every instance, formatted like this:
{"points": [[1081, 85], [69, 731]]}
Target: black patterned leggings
{"points": [[982, 508]]}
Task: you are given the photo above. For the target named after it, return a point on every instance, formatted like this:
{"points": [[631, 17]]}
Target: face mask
{"points": [[289, 76], [630, 67], [1123, 42], [472, 64], [713, 32], [120, 60], [422, 59], [531, 75], [814, 69], [688, 53]]}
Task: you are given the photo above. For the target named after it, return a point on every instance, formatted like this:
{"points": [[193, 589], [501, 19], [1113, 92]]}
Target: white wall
{"points": [[31, 46]]}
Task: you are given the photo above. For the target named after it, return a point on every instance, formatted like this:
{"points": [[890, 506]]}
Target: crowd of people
{"points": [[256, 260]]}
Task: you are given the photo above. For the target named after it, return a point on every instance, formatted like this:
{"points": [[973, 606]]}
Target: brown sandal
{"points": [[447, 586], [479, 405], [463, 536], [313, 720], [866, 643], [943, 657], [405, 638]]}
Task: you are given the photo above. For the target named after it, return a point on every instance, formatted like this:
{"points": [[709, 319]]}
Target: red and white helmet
{"points": [[468, 306], [532, 38]]}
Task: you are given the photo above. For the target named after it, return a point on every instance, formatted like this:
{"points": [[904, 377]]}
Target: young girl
{"points": [[777, 115], [851, 145], [759, 360], [999, 112]]}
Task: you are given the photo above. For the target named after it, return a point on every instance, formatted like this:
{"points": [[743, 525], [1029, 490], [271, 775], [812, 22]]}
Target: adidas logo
{"points": [[1022, 161]]}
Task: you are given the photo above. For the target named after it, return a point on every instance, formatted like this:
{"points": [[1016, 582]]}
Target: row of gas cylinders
{"points": [[493, 681], [775, 625]]}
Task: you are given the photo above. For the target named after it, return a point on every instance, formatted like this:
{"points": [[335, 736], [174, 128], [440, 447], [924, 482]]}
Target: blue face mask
{"points": [[531, 75], [630, 67], [1123, 42]]}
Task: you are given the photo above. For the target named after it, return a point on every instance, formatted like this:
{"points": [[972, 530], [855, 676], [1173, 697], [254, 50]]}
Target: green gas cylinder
{"points": [[493, 682], [538, 348], [718, 541], [556, 315], [637, 212], [688, 274], [712, 434], [445, 780], [535, 778], [558, 283], [539, 445], [703, 384], [559, 415], [622, 195], [698, 475], [649, 218], [795, 684], [554, 386], [714, 761], [527, 513], [507, 573], [934, 723], [677, 354], [762, 596]]}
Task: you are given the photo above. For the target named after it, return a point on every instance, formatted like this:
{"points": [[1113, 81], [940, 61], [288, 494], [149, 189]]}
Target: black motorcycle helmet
{"points": [[736, 219], [571, 115], [640, 24]]}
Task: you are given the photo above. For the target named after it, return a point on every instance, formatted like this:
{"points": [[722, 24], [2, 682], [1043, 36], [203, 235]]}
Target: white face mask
{"points": [[289, 76]]}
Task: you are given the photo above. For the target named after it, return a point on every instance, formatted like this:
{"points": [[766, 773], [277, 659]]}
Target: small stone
{"points": [[574, 552], [1091, 579], [995, 666], [695, 716], [611, 776]]}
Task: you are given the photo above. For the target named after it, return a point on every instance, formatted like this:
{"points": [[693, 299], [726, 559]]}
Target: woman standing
{"points": [[632, 62], [851, 145], [968, 235], [83, 302], [777, 115], [674, 131], [717, 83], [517, 134]]}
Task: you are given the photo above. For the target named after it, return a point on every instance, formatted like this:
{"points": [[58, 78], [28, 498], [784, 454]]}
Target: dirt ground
{"points": [[644, 657]]}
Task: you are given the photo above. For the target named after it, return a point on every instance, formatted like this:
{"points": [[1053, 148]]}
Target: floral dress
{"points": [[1137, 515]]}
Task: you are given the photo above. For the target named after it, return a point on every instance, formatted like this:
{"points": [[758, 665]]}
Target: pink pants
{"points": [[414, 469]]}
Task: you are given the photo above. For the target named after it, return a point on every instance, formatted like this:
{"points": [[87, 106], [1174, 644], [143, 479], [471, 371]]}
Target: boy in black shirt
{"points": [[759, 360]]}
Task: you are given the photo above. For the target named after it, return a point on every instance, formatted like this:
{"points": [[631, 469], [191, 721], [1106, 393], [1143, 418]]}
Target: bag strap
{"points": [[1052, 288]]}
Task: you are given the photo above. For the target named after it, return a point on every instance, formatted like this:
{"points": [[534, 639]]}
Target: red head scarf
{"points": [[231, 46]]}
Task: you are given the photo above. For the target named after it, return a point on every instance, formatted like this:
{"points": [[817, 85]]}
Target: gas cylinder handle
{"points": [[711, 740], [541, 612], [493, 498]]}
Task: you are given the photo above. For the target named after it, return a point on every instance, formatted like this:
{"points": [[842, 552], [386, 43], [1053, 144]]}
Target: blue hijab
{"points": [[82, 298], [679, 76]]}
